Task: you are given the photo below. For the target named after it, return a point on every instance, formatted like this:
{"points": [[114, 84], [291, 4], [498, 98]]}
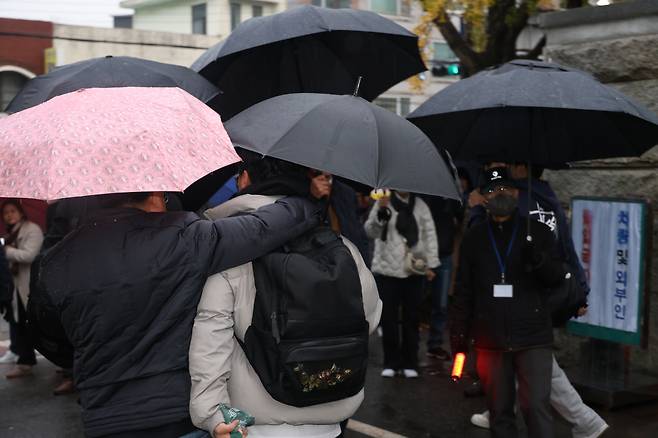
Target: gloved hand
{"points": [[458, 344], [384, 214]]}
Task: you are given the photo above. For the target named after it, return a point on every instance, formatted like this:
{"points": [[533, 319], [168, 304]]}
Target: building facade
{"points": [[203, 17], [218, 17]]}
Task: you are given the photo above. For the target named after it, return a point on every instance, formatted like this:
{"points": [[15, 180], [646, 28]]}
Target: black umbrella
{"points": [[308, 49], [530, 111], [347, 137], [107, 72]]}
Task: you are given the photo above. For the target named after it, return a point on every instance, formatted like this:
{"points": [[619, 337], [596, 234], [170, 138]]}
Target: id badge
{"points": [[503, 291]]}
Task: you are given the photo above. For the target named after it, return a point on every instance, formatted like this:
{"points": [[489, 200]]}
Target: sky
{"points": [[80, 12]]}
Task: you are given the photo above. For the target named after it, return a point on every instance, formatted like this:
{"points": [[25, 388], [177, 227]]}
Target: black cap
{"points": [[494, 177]]}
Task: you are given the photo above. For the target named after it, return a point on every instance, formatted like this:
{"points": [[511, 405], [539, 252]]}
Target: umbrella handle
{"points": [[528, 234]]}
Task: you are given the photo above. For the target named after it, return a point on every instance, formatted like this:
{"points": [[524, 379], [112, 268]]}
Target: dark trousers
{"points": [[532, 369], [19, 337], [440, 287], [400, 349], [171, 430]]}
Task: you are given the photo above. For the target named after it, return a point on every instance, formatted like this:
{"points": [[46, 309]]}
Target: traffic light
{"points": [[442, 68]]}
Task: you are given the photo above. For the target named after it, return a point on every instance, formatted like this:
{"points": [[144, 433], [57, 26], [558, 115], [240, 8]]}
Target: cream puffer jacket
{"points": [[389, 256], [219, 369]]}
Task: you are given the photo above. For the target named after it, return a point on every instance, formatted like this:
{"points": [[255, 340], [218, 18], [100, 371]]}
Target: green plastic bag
{"points": [[231, 414]]}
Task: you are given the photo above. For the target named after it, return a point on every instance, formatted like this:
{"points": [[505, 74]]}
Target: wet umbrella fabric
{"points": [[111, 140], [347, 137], [308, 49], [530, 111], [108, 72]]}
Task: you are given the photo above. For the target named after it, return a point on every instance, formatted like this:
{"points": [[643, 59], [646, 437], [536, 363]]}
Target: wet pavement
{"points": [[431, 406]]}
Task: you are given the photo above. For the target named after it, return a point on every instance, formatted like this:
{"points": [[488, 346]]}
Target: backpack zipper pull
{"points": [[275, 327]]}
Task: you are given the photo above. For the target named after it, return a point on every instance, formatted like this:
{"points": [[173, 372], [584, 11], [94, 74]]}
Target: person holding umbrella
{"points": [[500, 302], [546, 209], [127, 281]]}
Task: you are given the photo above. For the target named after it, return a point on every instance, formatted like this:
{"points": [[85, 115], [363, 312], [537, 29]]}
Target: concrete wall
{"points": [[76, 43], [618, 44]]}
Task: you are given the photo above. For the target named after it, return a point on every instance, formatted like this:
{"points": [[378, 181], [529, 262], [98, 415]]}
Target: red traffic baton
{"points": [[458, 367]]}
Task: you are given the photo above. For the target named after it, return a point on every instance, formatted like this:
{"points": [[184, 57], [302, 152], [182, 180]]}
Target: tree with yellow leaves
{"points": [[490, 31]]}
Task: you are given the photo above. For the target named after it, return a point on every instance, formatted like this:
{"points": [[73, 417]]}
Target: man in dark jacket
{"points": [[500, 302], [127, 284]]}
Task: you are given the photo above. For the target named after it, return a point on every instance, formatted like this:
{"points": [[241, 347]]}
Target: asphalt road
{"points": [[431, 406]]}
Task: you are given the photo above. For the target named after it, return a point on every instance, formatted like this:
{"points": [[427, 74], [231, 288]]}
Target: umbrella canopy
{"points": [[111, 140], [530, 111], [109, 72], [345, 136], [309, 49]]}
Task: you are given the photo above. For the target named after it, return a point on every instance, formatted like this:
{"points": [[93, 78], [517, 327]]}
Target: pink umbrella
{"points": [[111, 140]]}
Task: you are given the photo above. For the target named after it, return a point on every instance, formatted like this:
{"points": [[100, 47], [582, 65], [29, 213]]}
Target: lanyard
{"points": [[502, 263]]}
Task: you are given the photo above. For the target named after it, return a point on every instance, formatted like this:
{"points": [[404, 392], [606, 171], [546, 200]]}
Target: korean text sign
{"points": [[609, 238]]}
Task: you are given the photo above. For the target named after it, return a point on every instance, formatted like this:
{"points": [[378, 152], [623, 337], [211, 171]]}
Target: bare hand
{"points": [[475, 198], [223, 430], [582, 311], [431, 275], [321, 186]]}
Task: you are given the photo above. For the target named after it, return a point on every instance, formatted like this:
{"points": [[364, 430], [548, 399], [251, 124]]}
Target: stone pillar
{"points": [[617, 44]]}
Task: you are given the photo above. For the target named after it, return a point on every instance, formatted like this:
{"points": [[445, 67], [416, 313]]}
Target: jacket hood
{"points": [[239, 205]]}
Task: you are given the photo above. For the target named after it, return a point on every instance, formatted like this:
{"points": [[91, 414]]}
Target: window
{"points": [[333, 4], [123, 21], [199, 19], [256, 11], [442, 52], [399, 105], [236, 12], [391, 7]]}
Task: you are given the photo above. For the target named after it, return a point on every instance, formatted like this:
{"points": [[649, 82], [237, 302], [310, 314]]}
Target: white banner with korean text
{"points": [[607, 236]]}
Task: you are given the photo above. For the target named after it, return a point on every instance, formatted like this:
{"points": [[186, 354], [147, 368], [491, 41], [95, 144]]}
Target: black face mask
{"points": [[502, 205]]}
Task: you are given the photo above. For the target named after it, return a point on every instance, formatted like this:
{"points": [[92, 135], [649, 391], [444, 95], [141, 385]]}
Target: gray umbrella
{"points": [[347, 137], [308, 49]]}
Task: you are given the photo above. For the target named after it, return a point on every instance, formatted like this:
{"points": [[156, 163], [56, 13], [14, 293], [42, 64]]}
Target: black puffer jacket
{"points": [[521, 322], [127, 285]]}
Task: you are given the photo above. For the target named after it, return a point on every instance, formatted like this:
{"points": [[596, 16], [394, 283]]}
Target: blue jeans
{"points": [[440, 287]]}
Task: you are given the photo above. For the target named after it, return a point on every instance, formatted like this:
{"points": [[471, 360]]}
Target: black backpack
{"points": [[308, 339]]}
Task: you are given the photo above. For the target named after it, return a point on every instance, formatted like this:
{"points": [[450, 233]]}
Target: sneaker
{"points": [[388, 372], [409, 373], [19, 371], [438, 353], [597, 432], [9, 357], [481, 420]]}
